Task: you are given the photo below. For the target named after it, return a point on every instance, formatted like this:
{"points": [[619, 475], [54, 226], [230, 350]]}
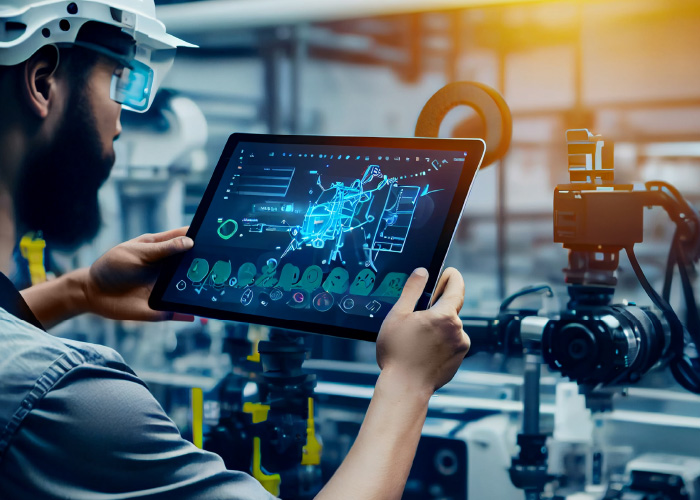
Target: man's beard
{"points": [[57, 190]]}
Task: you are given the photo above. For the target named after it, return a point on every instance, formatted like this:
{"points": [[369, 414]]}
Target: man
{"points": [[75, 421]]}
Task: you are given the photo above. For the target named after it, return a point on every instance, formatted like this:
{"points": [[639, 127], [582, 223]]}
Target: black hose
{"points": [[670, 264], [693, 316], [684, 369]]}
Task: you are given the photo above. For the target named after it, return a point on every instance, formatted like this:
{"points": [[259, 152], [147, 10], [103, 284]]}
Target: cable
{"points": [[525, 291], [693, 316], [685, 370], [659, 302], [660, 185], [670, 264]]}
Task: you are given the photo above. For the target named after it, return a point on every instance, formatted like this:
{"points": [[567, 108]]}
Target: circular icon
{"points": [[347, 303], [232, 281], [276, 294], [299, 300], [247, 297], [271, 264], [181, 285], [227, 229], [323, 301]]}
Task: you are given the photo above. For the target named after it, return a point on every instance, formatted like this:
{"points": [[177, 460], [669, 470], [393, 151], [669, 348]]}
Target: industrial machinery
{"points": [[603, 347], [272, 437]]}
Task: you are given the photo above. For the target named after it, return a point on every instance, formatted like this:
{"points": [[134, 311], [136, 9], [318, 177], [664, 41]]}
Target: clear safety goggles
{"points": [[136, 80]]}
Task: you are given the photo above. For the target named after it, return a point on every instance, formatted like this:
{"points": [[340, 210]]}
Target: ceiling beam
{"points": [[223, 15]]}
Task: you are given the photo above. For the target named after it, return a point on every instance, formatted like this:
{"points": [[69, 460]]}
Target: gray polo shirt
{"points": [[76, 423]]}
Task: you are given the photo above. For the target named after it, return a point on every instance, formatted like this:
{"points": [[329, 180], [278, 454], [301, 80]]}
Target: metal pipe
{"points": [[298, 58], [501, 206], [531, 396], [223, 15], [501, 228], [272, 58]]}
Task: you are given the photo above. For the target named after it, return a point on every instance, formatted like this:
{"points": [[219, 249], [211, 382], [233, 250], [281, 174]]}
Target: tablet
{"points": [[319, 234]]}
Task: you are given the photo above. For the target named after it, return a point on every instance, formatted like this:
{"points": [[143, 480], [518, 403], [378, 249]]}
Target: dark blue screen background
{"points": [[318, 233]]}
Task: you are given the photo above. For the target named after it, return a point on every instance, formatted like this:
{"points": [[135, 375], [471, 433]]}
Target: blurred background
{"points": [[626, 69]]}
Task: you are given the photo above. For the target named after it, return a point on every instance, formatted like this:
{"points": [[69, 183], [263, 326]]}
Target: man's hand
{"points": [[118, 284], [418, 353], [425, 348]]}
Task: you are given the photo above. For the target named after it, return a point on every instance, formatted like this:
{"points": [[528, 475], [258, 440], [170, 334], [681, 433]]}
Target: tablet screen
{"points": [[320, 233]]}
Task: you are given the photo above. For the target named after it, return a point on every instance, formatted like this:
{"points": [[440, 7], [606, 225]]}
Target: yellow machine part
{"points": [[271, 482], [256, 333], [312, 450], [197, 398], [256, 356], [32, 248], [257, 410]]}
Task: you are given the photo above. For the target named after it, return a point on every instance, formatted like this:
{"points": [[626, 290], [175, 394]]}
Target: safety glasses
{"points": [[132, 85], [134, 82]]}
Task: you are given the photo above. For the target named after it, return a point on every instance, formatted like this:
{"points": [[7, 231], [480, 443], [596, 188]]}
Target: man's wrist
{"points": [[76, 291], [402, 386], [58, 299]]}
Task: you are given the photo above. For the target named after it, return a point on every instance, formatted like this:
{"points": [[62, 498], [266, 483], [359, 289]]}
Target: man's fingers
{"points": [[451, 288], [439, 288], [164, 236], [412, 291], [154, 252]]}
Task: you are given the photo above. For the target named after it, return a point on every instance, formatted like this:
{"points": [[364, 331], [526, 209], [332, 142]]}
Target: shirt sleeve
{"points": [[100, 434]]}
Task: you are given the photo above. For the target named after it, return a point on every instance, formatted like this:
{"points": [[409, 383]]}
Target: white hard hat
{"points": [[26, 26]]}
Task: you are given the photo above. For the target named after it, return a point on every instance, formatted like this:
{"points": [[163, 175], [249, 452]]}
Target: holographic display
{"points": [[318, 233]]}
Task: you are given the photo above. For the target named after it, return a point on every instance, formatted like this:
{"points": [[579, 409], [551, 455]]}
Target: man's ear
{"points": [[39, 80]]}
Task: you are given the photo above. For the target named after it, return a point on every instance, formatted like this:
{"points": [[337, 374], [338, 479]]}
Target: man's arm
{"points": [[378, 464], [418, 352], [116, 286], [58, 299], [100, 434]]}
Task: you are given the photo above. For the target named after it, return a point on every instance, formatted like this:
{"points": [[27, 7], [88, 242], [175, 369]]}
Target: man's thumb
{"points": [[157, 251], [412, 291]]}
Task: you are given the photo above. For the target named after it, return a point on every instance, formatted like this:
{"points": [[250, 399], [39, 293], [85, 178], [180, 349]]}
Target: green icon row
{"points": [[291, 278]]}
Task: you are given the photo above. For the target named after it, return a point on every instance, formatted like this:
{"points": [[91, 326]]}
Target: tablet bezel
{"points": [[473, 147]]}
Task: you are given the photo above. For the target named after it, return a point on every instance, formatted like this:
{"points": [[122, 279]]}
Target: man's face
{"points": [[57, 189]]}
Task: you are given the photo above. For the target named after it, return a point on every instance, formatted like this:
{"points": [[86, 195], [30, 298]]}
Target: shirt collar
{"points": [[13, 302]]}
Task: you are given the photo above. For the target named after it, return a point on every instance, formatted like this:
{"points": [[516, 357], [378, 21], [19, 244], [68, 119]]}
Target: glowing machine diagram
{"points": [[342, 208]]}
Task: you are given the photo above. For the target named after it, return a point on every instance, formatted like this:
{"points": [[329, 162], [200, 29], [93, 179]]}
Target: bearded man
{"points": [[75, 421]]}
